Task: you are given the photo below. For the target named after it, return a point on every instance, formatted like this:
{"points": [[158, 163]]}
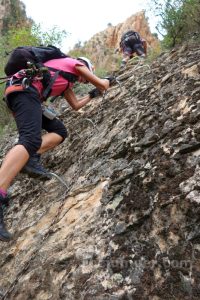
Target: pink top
{"points": [[60, 84]]}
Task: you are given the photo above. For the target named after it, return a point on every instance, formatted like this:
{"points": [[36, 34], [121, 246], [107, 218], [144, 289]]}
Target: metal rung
{"points": [[119, 83], [58, 178], [91, 122]]}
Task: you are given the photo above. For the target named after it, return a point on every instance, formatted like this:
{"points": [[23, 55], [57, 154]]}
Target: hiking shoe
{"points": [[5, 236], [34, 169]]}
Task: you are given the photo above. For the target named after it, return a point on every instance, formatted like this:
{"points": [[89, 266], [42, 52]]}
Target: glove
{"points": [[112, 79], [94, 93]]}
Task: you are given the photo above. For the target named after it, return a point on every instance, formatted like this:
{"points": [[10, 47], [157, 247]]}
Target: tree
{"points": [[179, 19], [53, 36], [15, 17]]}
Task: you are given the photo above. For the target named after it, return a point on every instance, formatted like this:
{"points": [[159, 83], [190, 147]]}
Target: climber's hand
{"points": [[95, 93], [111, 79]]}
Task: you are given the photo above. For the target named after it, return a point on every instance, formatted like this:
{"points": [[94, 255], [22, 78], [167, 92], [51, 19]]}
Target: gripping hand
{"points": [[94, 93], [112, 79]]}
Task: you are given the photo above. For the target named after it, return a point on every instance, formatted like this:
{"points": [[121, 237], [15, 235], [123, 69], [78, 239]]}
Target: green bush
{"points": [[179, 20]]}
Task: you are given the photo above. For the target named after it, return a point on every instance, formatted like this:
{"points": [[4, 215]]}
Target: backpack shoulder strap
{"points": [[67, 75], [47, 91], [129, 34]]}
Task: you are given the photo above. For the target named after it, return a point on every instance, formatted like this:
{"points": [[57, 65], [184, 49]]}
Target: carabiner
{"points": [[25, 83]]}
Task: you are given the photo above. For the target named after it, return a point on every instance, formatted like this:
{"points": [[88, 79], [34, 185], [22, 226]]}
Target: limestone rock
{"points": [[127, 224]]}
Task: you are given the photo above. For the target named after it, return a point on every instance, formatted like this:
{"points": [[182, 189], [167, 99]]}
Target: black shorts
{"points": [[130, 47], [27, 111]]}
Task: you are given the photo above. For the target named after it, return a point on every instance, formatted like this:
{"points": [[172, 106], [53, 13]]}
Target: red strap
{"points": [[13, 88]]}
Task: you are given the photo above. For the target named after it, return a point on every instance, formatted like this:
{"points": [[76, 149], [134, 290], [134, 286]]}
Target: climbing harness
{"points": [[13, 88], [14, 84], [33, 71], [42, 73]]}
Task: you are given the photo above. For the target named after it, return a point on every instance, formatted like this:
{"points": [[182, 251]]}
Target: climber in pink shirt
{"points": [[27, 110]]}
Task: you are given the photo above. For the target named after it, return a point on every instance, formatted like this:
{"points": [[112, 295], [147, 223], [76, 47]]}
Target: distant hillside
{"points": [[101, 47], [12, 13]]}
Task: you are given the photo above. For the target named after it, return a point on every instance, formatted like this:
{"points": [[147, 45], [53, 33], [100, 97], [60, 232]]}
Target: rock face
{"points": [[127, 224], [12, 13], [102, 45], [4, 9]]}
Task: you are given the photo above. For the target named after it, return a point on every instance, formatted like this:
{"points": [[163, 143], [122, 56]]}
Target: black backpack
{"points": [[130, 35], [20, 56]]}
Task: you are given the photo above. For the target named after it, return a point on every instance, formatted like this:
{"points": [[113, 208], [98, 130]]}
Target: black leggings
{"points": [[129, 48], [27, 111]]}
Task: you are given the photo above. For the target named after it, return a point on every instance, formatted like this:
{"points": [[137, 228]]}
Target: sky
{"points": [[82, 18]]}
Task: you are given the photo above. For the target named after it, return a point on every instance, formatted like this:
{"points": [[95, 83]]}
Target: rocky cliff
{"points": [[12, 13], [127, 225], [101, 47]]}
